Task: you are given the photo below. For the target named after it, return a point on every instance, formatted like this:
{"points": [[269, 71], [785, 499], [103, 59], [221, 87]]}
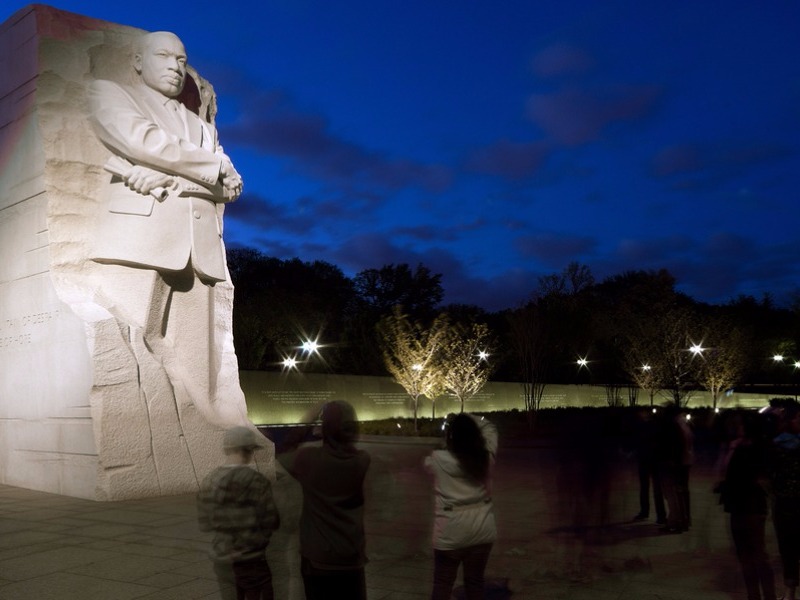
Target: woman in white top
{"points": [[464, 524]]}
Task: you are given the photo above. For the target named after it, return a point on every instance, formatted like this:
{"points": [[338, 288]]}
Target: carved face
{"points": [[162, 63]]}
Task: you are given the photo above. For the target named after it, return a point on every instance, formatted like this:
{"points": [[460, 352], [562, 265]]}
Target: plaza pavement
{"points": [[565, 532]]}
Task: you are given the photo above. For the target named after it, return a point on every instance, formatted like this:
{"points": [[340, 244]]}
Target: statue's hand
{"points": [[144, 179], [231, 180]]}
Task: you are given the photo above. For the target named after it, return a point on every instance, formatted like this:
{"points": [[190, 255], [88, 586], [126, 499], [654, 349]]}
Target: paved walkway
{"points": [[558, 539]]}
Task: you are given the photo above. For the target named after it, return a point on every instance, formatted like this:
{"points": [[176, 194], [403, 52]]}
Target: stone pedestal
{"points": [[74, 416]]}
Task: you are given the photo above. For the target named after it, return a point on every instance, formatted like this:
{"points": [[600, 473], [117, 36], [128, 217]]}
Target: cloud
{"points": [[649, 252], [425, 233], [254, 212], [505, 290], [510, 160], [270, 123], [554, 250], [714, 269], [575, 116], [698, 166], [561, 59]]}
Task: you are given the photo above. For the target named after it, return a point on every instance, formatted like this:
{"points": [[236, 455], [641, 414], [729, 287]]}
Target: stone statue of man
{"points": [[159, 243]]}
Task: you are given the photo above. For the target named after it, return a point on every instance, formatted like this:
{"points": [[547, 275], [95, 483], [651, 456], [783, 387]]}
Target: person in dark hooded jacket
{"points": [[332, 541]]}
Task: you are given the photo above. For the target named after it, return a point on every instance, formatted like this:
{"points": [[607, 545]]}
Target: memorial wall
{"points": [[283, 398]]}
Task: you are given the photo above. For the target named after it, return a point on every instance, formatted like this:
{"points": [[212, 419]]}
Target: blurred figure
{"points": [[587, 446], [675, 452], [785, 475], [644, 441], [235, 502], [464, 524], [332, 543], [743, 495]]}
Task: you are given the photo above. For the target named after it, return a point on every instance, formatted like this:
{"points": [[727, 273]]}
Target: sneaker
{"points": [[640, 517]]}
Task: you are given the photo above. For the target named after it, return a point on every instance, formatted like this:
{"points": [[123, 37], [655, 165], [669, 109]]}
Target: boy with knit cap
{"points": [[235, 502]]}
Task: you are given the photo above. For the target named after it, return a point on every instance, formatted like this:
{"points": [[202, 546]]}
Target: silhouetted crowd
{"points": [[757, 463]]}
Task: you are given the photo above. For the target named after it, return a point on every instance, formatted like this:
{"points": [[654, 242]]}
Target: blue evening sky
{"points": [[497, 141]]}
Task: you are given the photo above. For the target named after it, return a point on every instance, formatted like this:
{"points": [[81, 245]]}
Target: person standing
{"points": [[675, 449], [235, 502], [744, 496], [464, 522], [785, 476], [645, 449], [332, 540]]}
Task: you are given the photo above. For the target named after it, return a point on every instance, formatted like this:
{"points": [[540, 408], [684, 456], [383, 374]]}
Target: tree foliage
{"points": [[419, 291], [411, 353], [464, 359]]}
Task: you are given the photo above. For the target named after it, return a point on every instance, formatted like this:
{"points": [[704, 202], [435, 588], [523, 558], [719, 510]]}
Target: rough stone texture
{"points": [[74, 419]]}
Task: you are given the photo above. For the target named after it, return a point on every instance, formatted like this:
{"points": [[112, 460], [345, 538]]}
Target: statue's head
{"points": [[160, 60]]}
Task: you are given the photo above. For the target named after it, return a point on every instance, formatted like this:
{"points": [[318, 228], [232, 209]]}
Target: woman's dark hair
{"points": [[466, 443]]}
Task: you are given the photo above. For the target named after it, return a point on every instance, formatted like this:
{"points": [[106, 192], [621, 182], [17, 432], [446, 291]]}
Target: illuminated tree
{"points": [[411, 353], [678, 357], [644, 375], [724, 361], [464, 359], [377, 292]]}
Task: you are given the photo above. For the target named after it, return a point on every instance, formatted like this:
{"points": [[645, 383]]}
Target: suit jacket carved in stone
{"points": [[144, 127]]}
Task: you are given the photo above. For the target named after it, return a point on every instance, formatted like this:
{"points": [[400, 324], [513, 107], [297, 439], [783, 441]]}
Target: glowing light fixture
{"points": [[290, 362], [310, 346], [696, 349], [483, 355], [777, 357]]}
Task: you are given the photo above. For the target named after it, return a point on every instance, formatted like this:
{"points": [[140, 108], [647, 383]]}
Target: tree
{"points": [[377, 292], [643, 374], [279, 303], [411, 354], [530, 340], [631, 335], [464, 359], [676, 363], [418, 291], [724, 360]]}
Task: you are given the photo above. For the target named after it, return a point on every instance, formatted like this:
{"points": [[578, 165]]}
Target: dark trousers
{"points": [[676, 490], [332, 584], [786, 517], [245, 580], [751, 550], [649, 473], [445, 570]]}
